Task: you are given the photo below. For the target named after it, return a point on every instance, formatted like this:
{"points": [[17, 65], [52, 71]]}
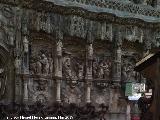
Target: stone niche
{"points": [[73, 70], [102, 73], [41, 84]]}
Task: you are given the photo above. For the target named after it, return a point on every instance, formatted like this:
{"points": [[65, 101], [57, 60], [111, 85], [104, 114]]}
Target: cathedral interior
{"points": [[73, 57]]}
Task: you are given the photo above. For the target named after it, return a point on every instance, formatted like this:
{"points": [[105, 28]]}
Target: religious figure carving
{"points": [[59, 48], [38, 66], [50, 60], [41, 65], [128, 72], [104, 69], [90, 51], [45, 64], [67, 66]]}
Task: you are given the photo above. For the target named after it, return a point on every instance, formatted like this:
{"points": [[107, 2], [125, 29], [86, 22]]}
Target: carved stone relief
{"points": [[42, 64], [73, 68], [72, 95], [102, 68], [73, 72], [77, 27], [104, 31], [129, 60], [102, 62], [41, 70], [132, 33], [100, 96]]}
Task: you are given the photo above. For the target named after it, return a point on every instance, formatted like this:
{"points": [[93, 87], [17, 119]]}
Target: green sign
{"points": [[128, 90]]}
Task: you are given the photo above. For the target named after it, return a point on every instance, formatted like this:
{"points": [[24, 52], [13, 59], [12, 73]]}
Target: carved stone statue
{"points": [[59, 48], [38, 66], [104, 70], [90, 51], [41, 65], [128, 72], [67, 66], [50, 60], [45, 64]]}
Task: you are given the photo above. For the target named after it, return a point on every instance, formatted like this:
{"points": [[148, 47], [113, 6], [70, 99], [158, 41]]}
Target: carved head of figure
{"points": [[39, 58], [1, 70], [43, 56]]}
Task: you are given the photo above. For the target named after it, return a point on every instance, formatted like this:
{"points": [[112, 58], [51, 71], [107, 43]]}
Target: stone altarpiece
{"points": [[48, 57]]}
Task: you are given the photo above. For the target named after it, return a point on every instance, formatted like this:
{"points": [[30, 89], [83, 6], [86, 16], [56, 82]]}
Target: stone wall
{"points": [[69, 59]]}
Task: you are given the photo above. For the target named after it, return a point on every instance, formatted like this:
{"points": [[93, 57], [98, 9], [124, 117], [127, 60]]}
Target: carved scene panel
{"points": [[41, 85], [73, 70], [102, 72]]}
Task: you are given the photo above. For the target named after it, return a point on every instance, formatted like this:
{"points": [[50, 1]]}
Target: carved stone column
{"points": [[116, 74], [88, 77], [25, 57], [117, 56], [89, 62], [58, 64]]}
